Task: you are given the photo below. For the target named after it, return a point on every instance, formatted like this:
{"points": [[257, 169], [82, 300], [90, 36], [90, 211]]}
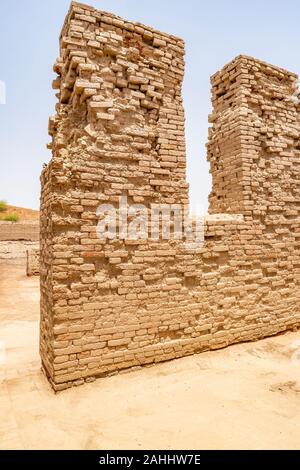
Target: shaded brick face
{"points": [[33, 262], [119, 131]]}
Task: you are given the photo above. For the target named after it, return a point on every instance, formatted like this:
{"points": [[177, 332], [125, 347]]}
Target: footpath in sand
{"points": [[245, 397]]}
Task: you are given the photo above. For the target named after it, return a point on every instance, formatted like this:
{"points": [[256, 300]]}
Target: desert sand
{"points": [[244, 397]]}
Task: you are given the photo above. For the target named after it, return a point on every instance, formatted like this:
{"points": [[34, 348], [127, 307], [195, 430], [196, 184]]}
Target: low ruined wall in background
{"points": [[16, 251], [13, 231]]}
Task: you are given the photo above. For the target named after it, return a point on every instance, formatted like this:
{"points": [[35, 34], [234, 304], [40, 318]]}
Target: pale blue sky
{"points": [[214, 31]]}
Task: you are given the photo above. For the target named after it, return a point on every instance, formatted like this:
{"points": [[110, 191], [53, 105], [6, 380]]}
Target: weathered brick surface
{"points": [[13, 231], [119, 129]]}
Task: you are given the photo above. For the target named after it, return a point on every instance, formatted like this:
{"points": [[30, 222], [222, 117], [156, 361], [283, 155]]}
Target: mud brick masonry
{"points": [[33, 262], [119, 130], [17, 231]]}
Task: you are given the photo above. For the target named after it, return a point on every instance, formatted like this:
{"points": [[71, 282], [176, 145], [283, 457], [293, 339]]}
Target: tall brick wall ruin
{"points": [[119, 131]]}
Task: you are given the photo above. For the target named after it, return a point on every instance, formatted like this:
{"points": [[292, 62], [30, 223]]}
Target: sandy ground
{"points": [[246, 396]]}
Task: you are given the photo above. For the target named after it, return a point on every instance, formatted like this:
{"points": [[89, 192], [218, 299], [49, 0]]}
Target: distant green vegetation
{"points": [[3, 206], [11, 218]]}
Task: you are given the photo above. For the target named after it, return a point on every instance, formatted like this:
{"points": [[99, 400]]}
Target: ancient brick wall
{"points": [[113, 304], [33, 262], [13, 231]]}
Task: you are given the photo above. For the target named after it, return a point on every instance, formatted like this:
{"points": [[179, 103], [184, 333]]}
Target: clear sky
{"points": [[215, 32]]}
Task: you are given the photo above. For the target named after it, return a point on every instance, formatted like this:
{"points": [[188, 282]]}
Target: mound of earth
{"points": [[23, 213]]}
